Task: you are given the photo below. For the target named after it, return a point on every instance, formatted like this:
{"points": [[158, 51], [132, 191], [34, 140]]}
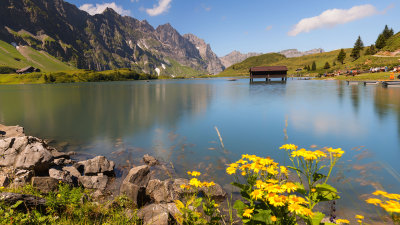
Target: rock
{"points": [[10, 148], [22, 177], [57, 155], [159, 214], [138, 175], [97, 195], [59, 162], [45, 184], [150, 160], [99, 164], [94, 182], [166, 191], [35, 157], [72, 170], [216, 192], [11, 131], [29, 201], [4, 181], [134, 192], [62, 175]]}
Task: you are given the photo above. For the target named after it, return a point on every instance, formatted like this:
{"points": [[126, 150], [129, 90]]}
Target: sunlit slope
{"points": [[27, 56], [275, 59]]}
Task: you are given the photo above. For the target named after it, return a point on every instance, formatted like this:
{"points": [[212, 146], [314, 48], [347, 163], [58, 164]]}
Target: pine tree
{"points": [[334, 63], [314, 66], [327, 65], [358, 47], [341, 56], [382, 38], [308, 68]]}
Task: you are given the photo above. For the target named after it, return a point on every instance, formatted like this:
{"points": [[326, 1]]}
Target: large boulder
{"points": [[99, 164], [62, 175], [134, 184], [29, 201], [10, 148], [160, 214], [11, 131], [166, 191], [150, 160], [72, 170], [94, 182], [45, 184], [22, 177], [35, 157]]}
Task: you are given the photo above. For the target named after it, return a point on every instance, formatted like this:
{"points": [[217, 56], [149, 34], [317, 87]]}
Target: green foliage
{"points": [[327, 65], [393, 43], [66, 206], [341, 56], [314, 66], [6, 70], [371, 50], [383, 37], [358, 47]]}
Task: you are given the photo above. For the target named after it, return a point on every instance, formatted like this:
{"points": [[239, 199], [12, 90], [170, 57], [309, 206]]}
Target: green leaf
{"points": [[326, 192], [317, 218], [17, 204], [262, 216], [295, 169], [318, 176], [239, 206], [300, 188]]}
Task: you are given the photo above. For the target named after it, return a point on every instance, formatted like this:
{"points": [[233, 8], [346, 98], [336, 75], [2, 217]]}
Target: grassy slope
{"points": [[177, 69], [393, 43], [10, 56], [362, 77], [274, 59]]}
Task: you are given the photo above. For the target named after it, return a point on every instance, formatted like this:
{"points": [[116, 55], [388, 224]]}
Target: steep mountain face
{"points": [[99, 42], [214, 64], [236, 57], [290, 53]]}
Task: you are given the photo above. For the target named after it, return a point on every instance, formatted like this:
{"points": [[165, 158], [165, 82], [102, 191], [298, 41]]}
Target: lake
{"points": [[176, 121]]}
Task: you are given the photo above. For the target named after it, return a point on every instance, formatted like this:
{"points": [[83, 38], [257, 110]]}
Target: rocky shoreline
{"points": [[29, 160]]}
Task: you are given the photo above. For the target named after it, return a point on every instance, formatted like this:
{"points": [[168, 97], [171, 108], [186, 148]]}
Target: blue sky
{"points": [[264, 25]]}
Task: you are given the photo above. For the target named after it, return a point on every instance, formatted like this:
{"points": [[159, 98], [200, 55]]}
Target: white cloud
{"points": [[163, 6], [333, 17], [99, 8], [268, 28]]}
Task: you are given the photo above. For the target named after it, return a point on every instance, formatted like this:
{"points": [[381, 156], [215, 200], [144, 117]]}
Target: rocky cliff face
{"points": [[99, 42], [236, 57], [214, 64], [290, 53]]}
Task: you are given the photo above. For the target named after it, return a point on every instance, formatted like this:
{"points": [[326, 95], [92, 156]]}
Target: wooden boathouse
{"points": [[268, 72]]}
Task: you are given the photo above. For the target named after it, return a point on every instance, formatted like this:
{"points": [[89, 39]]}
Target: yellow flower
{"points": [[208, 184], [277, 200], [289, 187], [392, 196], [230, 170], [59, 196], [359, 217], [194, 173], [284, 170], [342, 221], [243, 173], [336, 152], [391, 206], [247, 213], [194, 182], [313, 190], [289, 147], [273, 218], [216, 205], [378, 192], [256, 194], [374, 201], [1, 188], [293, 199]]}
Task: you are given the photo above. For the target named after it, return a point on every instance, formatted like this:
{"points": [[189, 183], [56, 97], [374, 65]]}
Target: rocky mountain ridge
{"points": [[236, 57], [102, 41], [290, 53]]}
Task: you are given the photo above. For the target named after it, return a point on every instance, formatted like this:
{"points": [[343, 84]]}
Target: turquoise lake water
{"points": [[175, 120]]}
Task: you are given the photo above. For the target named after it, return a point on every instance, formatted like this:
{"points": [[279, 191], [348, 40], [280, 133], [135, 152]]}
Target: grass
{"points": [[65, 206], [73, 76], [177, 69], [383, 76], [11, 57], [393, 43]]}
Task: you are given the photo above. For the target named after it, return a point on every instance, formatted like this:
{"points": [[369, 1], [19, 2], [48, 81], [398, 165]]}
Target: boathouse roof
{"points": [[268, 68]]}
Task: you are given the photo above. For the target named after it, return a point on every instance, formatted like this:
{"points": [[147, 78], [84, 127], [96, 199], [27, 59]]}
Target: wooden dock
{"points": [[391, 83]]}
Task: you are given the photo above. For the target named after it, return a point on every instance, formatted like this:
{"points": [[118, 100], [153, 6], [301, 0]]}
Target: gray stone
{"points": [[35, 157], [10, 148], [22, 177], [4, 181], [59, 162], [61, 175], [166, 191], [29, 201], [134, 192], [155, 214], [72, 170], [215, 192], [94, 182], [57, 155], [45, 184], [99, 164], [150, 160], [139, 175], [11, 131]]}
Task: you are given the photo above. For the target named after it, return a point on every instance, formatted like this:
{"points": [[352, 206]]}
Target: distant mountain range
{"points": [[103, 41], [290, 53], [236, 57]]}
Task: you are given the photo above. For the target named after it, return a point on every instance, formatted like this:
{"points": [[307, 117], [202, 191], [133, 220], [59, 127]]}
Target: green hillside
{"points": [[27, 56], [274, 59], [393, 43]]}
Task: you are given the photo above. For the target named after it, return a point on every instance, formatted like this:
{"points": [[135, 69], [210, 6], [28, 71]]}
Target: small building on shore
{"points": [[29, 69], [268, 72]]}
